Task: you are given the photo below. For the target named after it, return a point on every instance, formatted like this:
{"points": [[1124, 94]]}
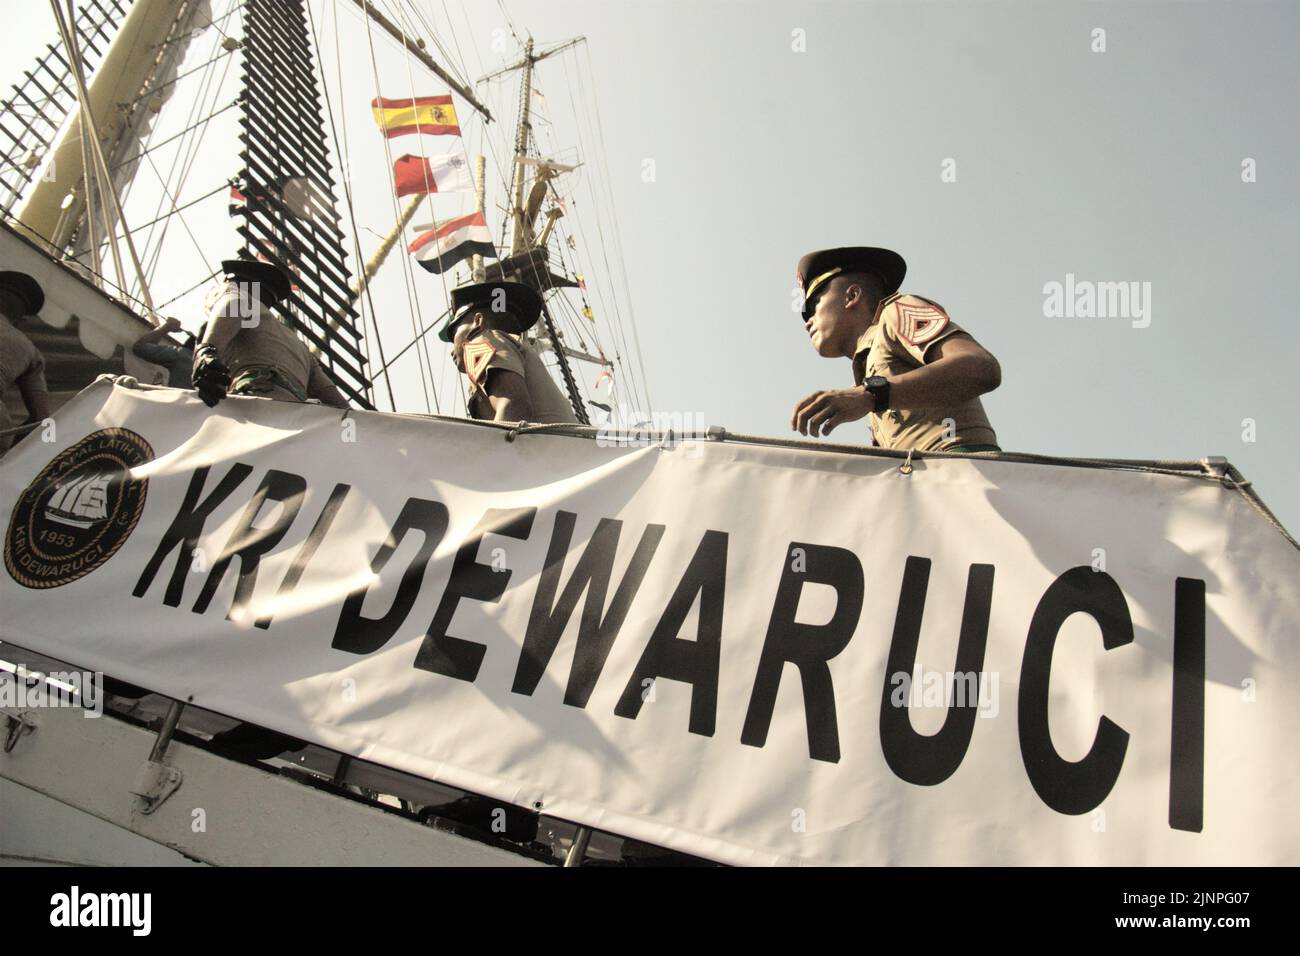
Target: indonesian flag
{"points": [[435, 174], [454, 241], [432, 115]]}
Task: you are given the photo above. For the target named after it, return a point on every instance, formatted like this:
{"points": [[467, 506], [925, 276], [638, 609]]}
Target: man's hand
{"points": [[210, 376], [158, 334], [821, 412]]}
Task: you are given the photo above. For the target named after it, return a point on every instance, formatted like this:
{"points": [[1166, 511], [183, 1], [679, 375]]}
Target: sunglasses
{"points": [[810, 304]]}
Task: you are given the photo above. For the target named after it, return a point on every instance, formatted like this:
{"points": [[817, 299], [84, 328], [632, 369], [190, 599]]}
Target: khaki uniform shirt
{"points": [[906, 327], [19, 360], [269, 342], [499, 350]]}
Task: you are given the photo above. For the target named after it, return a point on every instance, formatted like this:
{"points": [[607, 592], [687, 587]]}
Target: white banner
{"points": [[753, 654]]}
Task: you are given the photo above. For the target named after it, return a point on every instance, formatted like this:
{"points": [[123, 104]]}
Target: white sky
{"points": [[1117, 166]]}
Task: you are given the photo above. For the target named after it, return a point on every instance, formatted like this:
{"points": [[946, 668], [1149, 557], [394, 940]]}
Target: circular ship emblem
{"points": [[78, 511]]}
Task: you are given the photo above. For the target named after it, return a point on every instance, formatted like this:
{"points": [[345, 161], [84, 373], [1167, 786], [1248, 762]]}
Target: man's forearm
{"points": [[330, 395], [149, 338], [948, 381], [509, 396], [35, 397], [506, 408]]}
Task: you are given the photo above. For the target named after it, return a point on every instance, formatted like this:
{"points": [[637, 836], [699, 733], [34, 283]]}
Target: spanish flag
{"points": [[432, 115]]}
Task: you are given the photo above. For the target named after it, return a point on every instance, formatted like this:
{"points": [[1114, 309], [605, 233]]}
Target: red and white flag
{"points": [[454, 241], [432, 174]]}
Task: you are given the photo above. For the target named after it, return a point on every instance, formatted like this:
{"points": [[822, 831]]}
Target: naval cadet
{"points": [[508, 381], [248, 350], [21, 364], [915, 371]]}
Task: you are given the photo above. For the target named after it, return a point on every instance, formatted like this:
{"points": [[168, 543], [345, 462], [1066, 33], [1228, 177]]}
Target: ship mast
{"points": [[517, 241], [522, 239], [53, 213]]}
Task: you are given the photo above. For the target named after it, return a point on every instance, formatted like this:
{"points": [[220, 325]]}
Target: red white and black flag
{"points": [[454, 241]]}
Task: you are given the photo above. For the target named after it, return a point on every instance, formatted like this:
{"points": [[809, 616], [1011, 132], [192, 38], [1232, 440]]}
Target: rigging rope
{"points": [[458, 69], [198, 285], [603, 202], [176, 79], [609, 306], [135, 157], [187, 151], [190, 152], [423, 332], [425, 378], [442, 276], [363, 286], [485, 137], [176, 211], [578, 320], [194, 109], [344, 155], [224, 187], [345, 164]]}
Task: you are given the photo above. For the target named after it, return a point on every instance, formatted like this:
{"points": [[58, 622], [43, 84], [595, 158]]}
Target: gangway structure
{"points": [[142, 784]]}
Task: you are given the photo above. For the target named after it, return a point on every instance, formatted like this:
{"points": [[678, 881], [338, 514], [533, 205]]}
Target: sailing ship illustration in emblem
{"points": [[80, 502]]}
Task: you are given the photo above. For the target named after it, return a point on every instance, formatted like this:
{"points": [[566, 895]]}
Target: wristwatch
{"points": [[878, 386]]}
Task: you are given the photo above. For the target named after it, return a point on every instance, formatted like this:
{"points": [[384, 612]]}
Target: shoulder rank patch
{"points": [[918, 324], [478, 353]]}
